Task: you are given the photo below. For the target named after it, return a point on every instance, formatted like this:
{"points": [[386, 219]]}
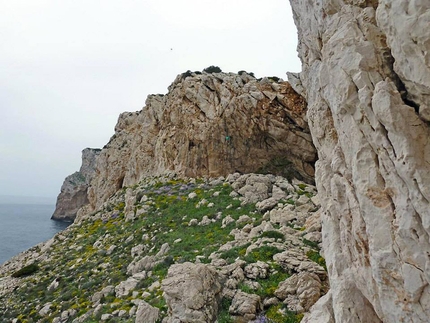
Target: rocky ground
{"points": [[239, 249]]}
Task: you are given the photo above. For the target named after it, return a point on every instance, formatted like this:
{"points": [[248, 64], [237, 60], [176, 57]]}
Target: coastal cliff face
{"points": [[366, 78], [73, 193], [208, 124]]}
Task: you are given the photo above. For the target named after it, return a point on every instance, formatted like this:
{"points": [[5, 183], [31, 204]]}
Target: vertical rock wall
{"points": [[73, 193], [366, 77]]}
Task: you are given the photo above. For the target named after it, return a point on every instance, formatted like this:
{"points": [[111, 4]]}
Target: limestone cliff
{"points": [[208, 124], [366, 78], [73, 193]]}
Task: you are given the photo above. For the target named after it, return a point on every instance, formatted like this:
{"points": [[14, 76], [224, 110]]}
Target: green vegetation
{"points": [[264, 253], [273, 234], [316, 257], [243, 72], [274, 79], [279, 314], [26, 271], [186, 74], [311, 244], [234, 253], [212, 69]]}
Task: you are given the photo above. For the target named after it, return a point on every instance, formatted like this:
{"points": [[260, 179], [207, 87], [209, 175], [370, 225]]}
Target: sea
{"points": [[25, 225]]}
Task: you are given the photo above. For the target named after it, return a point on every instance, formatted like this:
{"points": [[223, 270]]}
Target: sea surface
{"points": [[25, 225]]}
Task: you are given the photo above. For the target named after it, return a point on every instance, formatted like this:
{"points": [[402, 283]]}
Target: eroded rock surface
{"points": [[208, 125], [366, 77], [73, 193], [192, 292]]}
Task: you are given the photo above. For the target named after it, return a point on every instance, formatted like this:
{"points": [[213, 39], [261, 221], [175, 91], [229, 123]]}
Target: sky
{"points": [[68, 68]]}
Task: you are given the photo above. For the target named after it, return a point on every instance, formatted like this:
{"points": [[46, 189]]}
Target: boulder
{"points": [[192, 293], [124, 288], [146, 313], [300, 291], [245, 305]]}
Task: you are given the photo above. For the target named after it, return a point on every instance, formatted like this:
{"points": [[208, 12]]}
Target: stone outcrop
{"points": [[366, 78], [73, 193], [192, 292], [208, 125]]}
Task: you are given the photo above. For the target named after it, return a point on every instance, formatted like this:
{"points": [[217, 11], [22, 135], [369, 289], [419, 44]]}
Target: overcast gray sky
{"points": [[68, 68]]}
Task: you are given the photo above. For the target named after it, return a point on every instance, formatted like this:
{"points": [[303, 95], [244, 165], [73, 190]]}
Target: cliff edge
{"points": [[73, 193], [366, 78]]}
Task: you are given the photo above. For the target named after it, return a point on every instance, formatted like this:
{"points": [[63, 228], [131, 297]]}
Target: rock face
{"points": [[366, 77], [73, 193], [192, 293], [208, 125]]}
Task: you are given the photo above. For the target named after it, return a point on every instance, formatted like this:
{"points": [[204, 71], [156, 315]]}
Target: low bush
{"points": [[264, 253], [273, 234], [316, 257], [26, 271], [212, 69]]}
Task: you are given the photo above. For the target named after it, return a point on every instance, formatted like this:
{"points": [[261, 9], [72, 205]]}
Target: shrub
{"points": [[245, 72], [279, 314], [316, 257], [274, 78], [223, 315], [264, 253], [26, 271], [186, 74], [311, 244], [212, 69], [273, 234], [233, 253]]}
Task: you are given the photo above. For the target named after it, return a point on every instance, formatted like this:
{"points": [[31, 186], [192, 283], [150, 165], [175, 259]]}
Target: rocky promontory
{"points": [[74, 191], [208, 124]]}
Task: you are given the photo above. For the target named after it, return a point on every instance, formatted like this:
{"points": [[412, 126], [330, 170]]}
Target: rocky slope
{"points": [[73, 193], [366, 78], [239, 249]]}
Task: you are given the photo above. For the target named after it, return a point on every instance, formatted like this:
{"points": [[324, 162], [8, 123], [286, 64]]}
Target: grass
{"points": [[82, 266], [264, 253], [273, 234], [279, 314], [236, 252]]}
